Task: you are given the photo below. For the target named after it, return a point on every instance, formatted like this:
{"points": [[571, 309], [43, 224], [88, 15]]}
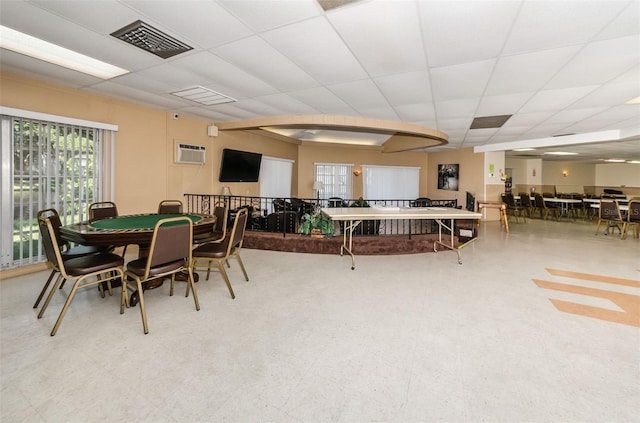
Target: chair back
{"points": [[421, 202], [172, 241], [508, 198], [539, 201], [221, 214], [54, 218], [50, 242], [525, 200], [633, 214], [609, 210], [282, 221], [170, 207], [239, 226], [102, 210]]}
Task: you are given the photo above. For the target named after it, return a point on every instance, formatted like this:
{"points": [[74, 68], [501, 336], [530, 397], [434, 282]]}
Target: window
{"points": [[275, 180], [336, 180], [48, 164], [390, 182]]}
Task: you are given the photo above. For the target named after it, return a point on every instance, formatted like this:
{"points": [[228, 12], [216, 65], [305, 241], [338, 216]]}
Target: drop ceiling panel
{"points": [[315, 47], [554, 100], [416, 112], [550, 24], [265, 62], [397, 34], [506, 104], [286, 103], [265, 15], [626, 23], [385, 113], [405, 88], [599, 63], [528, 72], [461, 81], [462, 108], [360, 94], [465, 31], [222, 76], [527, 120], [221, 26], [574, 115], [323, 100]]}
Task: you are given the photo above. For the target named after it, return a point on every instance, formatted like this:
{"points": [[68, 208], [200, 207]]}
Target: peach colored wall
{"points": [[309, 153]]}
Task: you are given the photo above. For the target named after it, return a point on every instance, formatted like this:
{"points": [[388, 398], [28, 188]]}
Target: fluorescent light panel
{"points": [[204, 96], [615, 160], [19, 42], [561, 153]]}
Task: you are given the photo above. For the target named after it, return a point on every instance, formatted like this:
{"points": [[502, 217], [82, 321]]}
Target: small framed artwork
{"points": [[448, 175]]}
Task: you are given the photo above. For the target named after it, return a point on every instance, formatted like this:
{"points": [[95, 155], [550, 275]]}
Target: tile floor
{"points": [[406, 338]]}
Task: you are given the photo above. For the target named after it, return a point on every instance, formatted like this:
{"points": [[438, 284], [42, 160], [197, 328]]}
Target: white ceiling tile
{"points": [[286, 103], [265, 62], [386, 113], [627, 23], [550, 24], [461, 81], [452, 124], [317, 49], [526, 120], [405, 88], [416, 112], [553, 100], [392, 28], [613, 93], [265, 15], [258, 108], [599, 63], [573, 115], [222, 76], [465, 31], [462, 108], [221, 26], [506, 104], [528, 72], [360, 94], [323, 100]]}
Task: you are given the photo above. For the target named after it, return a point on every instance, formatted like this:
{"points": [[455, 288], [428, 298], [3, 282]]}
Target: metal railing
{"points": [[283, 215]]}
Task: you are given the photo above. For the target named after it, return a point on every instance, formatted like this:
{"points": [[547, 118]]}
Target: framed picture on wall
{"points": [[448, 175]]}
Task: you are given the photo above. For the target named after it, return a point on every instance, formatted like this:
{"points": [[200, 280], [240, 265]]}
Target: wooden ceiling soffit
{"points": [[405, 136]]}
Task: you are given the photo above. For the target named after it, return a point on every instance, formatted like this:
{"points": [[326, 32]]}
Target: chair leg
{"points": [[193, 288], [246, 277], [44, 288], [143, 311], [598, 227], [226, 278], [50, 296], [65, 307]]}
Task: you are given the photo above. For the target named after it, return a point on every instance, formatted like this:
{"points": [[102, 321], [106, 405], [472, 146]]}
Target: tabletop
{"points": [[381, 213]]}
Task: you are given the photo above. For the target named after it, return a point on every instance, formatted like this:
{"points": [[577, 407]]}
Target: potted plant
{"points": [[316, 224]]}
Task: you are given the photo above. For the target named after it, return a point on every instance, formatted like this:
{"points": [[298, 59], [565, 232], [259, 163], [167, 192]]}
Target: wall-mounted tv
{"points": [[239, 166]]}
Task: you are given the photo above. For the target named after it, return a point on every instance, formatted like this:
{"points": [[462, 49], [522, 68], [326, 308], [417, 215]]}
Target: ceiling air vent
{"points": [[489, 122], [148, 38]]}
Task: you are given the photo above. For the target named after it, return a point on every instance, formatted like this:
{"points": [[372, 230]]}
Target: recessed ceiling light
{"points": [[615, 160], [203, 96], [561, 153], [524, 149], [34, 47], [634, 161], [633, 101]]}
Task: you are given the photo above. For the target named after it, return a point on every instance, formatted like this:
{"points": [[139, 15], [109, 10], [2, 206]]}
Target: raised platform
{"points": [[362, 245]]}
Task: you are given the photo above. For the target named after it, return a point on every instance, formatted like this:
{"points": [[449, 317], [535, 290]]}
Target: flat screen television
{"points": [[239, 166]]}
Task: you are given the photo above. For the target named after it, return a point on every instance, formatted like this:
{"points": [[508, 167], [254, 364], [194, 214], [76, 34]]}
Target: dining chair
{"points": [[219, 253], [66, 250], [104, 210], [84, 271], [170, 207], [545, 210], [512, 208], [169, 253], [610, 214], [219, 231], [633, 219], [525, 203]]}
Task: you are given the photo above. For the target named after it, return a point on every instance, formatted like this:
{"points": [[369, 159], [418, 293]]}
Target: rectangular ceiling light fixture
{"points": [[204, 96], [489, 121], [19, 42], [148, 38], [332, 4]]}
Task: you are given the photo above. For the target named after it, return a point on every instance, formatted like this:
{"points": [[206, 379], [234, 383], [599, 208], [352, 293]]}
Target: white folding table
{"points": [[353, 216]]}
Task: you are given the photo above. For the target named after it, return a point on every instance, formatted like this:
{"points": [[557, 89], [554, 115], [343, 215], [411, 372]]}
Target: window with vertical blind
{"points": [[275, 179], [336, 178], [390, 182], [49, 162]]}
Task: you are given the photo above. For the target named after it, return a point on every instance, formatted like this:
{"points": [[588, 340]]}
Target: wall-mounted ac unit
{"points": [[190, 154]]}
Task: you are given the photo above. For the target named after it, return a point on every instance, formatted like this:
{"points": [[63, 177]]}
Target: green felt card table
{"points": [[131, 229]]}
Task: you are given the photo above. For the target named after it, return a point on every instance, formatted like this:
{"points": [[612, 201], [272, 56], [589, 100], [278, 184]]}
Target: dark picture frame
{"points": [[448, 176]]}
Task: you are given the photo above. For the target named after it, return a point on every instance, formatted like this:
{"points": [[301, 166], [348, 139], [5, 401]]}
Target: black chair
{"points": [[170, 253], [66, 250], [421, 202], [280, 204], [512, 208], [283, 222], [102, 266], [526, 205], [544, 209], [337, 202], [219, 253], [170, 207]]}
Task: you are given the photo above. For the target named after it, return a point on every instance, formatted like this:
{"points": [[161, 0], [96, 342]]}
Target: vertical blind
{"points": [[275, 179], [390, 182], [48, 164], [336, 179]]}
